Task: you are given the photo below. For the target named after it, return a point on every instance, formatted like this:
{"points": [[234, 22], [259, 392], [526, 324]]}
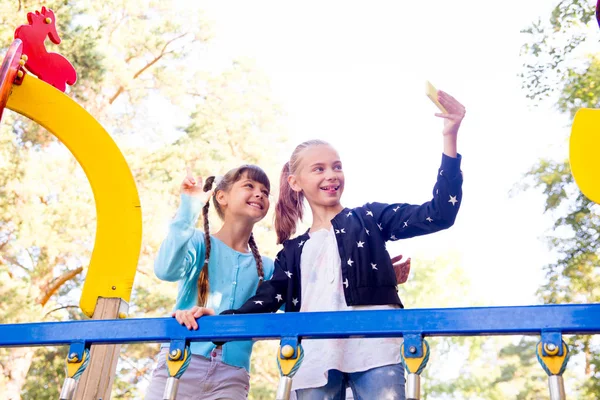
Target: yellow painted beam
{"points": [[584, 152], [119, 218]]}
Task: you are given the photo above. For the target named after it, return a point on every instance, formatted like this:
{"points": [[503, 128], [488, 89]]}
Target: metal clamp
{"points": [[289, 359], [553, 359], [415, 355], [178, 359], [77, 361]]}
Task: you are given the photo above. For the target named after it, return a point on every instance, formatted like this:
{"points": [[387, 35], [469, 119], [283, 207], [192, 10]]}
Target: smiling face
{"points": [[246, 198], [319, 176]]}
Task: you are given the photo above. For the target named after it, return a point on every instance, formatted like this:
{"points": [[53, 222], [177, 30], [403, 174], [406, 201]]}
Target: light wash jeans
{"points": [[381, 383]]}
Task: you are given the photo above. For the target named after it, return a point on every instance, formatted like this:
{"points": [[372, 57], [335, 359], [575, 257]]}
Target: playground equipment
{"points": [[109, 281], [113, 263]]}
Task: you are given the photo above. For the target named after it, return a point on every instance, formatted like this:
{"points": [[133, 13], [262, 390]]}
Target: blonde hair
{"points": [[290, 204]]}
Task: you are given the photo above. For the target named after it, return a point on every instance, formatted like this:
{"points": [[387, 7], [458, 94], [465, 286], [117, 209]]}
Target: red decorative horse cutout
{"points": [[52, 68]]}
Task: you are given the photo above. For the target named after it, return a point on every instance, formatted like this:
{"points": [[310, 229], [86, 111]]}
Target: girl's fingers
{"points": [[187, 182], [197, 313], [193, 323], [183, 319], [189, 321], [396, 259], [190, 175], [450, 103]]}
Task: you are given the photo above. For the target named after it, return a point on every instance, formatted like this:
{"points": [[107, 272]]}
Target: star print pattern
{"points": [[361, 244]]}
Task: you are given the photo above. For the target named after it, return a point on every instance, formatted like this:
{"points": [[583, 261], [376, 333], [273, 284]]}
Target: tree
{"points": [[128, 57], [561, 66], [433, 284]]}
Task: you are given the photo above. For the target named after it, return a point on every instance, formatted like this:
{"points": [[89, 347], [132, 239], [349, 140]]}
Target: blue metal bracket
{"points": [[76, 350], [552, 338], [413, 344], [292, 341], [177, 349]]}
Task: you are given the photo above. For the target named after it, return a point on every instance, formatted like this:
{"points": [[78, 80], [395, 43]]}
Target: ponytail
{"points": [[289, 208], [203, 285]]}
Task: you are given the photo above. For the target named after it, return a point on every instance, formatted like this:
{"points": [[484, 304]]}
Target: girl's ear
{"points": [[293, 182], [221, 197]]}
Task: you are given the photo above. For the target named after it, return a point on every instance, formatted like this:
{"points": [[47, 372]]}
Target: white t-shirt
{"points": [[322, 291]]}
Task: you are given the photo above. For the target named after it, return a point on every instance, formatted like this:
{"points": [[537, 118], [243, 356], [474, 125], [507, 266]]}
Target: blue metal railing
{"points": [[475, 321], [548, 321]]}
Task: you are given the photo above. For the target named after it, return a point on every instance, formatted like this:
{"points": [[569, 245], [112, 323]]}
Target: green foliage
{"points": [[561, 60], [129, 56], [549, 51]]}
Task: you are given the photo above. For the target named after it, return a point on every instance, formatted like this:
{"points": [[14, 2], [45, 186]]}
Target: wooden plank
{"points": [[97, 380]]}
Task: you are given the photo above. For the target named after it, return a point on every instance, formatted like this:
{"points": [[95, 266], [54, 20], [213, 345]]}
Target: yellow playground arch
{"points": [[116, 250], [584, 152]]}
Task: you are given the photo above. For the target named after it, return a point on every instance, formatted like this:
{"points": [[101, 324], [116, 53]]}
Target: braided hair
{"points": [[252, 172]]}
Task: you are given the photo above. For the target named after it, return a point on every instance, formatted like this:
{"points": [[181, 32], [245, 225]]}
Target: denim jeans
{"points": [[204, 379], [381, 383]]}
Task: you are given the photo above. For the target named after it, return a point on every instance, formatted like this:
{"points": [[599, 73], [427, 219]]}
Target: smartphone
{"points": [[432, 93]]}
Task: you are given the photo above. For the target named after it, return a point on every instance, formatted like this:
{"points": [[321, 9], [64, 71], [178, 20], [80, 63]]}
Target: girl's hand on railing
{"points": [[188, 317]]}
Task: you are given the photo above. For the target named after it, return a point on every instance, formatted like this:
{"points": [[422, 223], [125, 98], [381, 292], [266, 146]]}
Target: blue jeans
{"points": [[381, 383]]}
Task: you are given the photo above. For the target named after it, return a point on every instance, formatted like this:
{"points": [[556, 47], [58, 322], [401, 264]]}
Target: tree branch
{"points": [[58, 309], [12, 260], [163, 52], [64, 278]]}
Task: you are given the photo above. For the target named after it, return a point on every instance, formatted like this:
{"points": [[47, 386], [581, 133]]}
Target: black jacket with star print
{"points": [[367, 271]]}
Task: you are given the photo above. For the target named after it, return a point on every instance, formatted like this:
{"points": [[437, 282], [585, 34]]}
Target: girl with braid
{"points": [[215, 272]]}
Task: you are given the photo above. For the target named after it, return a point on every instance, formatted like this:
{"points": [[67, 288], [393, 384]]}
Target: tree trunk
{"points": [[17, 367], [588, 358], [16, 370]]}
